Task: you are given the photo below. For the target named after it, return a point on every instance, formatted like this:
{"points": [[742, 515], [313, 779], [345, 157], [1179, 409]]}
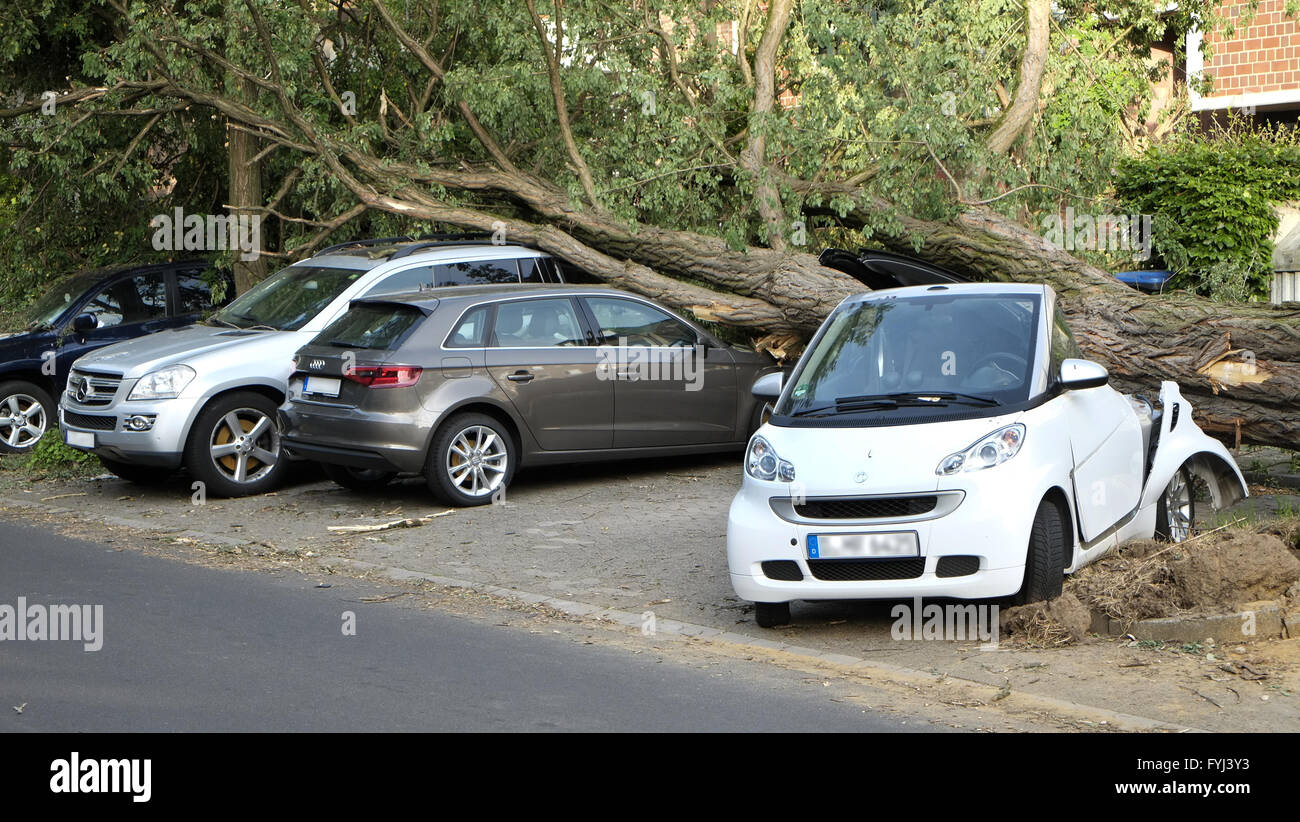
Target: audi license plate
{"points": [[325, 386]]}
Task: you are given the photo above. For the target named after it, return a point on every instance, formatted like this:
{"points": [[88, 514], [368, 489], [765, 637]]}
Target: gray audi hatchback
{"points": [[465, 385]]}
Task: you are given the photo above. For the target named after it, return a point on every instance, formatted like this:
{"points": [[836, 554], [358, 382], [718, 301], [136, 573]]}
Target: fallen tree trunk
{"points": [[1238, 364]]}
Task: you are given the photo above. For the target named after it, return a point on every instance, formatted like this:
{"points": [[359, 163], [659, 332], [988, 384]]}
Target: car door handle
{"points": [[520, 376]]}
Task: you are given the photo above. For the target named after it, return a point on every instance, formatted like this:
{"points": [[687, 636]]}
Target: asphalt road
{"points": [[190, 648]]}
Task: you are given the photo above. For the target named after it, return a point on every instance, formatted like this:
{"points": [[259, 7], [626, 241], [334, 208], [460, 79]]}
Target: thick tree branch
{"points": [[753, 158], [1025, 103], [552, 56]]}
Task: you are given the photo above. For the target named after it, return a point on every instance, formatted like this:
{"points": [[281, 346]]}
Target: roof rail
{"points": [[364, 243], [440, 240], [434, 239]]}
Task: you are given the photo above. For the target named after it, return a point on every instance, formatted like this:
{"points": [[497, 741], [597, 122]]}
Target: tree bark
{"points": [[244, 176], [245, 199], [767, 197], [1021, 111]]}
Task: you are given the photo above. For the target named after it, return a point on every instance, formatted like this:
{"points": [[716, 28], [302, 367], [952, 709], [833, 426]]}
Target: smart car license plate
{"points": [[81, 439], [325, 386], [858, 546]]}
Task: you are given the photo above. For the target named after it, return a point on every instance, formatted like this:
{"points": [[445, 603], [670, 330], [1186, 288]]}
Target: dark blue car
{"points": [[79, 314]]}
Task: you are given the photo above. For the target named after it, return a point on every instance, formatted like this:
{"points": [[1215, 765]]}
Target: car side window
{"points": [[537, 324], [476, 272], [471, 331], [532, 270], [412, 279], [194, 293], [638, 324], [1063, 345], [132, 300]]}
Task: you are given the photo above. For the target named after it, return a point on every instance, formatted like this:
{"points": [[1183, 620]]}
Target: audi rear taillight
{"points": [[384, 376]]}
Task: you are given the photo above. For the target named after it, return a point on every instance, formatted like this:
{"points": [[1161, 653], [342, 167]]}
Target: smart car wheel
{"points": [[26, 413], [1045, 561], [1176, 509], [472, 458], [234, 447], [358, 479], [771, 614]]}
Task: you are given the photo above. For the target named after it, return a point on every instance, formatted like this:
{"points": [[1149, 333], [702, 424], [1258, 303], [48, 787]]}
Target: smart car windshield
{"points": [[287, 300], [894, 355]]}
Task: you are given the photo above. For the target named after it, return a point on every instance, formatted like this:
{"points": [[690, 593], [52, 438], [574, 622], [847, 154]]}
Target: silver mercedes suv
{"points": [[205, 396]]}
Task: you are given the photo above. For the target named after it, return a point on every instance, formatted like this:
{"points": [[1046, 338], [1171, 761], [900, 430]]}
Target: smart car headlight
{"points": [[994, 449], [163, 384], [762, 462]]}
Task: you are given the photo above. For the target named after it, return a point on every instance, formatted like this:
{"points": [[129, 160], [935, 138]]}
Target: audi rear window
{"points": [[371, 326]]}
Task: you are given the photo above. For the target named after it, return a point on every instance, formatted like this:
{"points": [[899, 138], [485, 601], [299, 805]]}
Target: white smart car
{"points": [[948, 441]]}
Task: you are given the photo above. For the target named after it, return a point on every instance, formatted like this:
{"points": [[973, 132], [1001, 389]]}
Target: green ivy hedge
{"points": [[1210, 196]]}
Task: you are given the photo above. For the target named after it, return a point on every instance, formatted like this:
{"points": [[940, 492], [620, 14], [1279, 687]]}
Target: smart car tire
{"points": [[234, 446], [358, 479], [772, 614], [26, 413], [1045, 560], [472, 459], [1176, 508]]}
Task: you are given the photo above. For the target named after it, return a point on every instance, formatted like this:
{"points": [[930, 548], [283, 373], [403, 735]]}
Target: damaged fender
{"points": [[1182, 441]]}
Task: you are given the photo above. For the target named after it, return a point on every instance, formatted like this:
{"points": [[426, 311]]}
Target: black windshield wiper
{"points": [[923, 398], [215, 319], [846, 407], [342, 344]]}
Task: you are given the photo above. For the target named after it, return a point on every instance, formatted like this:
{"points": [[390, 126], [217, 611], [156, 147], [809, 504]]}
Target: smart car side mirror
{"points": [[1077, 374], [83, 323], [768, 386]]}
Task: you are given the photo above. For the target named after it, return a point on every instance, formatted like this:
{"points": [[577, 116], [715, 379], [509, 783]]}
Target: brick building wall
{"points": [[1259, 65]]}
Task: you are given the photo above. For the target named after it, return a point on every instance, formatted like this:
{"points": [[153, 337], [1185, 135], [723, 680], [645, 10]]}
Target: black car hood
{"points": [[881, 269], [18, 344]]}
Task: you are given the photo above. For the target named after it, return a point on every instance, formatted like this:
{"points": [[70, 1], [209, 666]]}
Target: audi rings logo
{"points": [[316, 364]]}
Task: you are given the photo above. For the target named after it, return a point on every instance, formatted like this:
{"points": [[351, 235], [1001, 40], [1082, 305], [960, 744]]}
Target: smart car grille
{"points": [[785, 570], [867, 507], [88, 421], [857, 570], [957, 566], [92, 389]]}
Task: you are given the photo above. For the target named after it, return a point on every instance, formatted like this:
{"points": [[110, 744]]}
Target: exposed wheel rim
{"points": [[22, 420], [477, 460], [244, 445], [1178, 508]]}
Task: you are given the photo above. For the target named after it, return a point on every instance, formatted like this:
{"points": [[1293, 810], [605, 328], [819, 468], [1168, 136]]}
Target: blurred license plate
{"points": [[81, 439], [845, 546], [325, 386]]}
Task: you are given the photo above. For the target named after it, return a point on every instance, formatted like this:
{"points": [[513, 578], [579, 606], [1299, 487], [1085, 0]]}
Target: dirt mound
{"points": [[1062, 621], [1214, 573], [1210, 574]]}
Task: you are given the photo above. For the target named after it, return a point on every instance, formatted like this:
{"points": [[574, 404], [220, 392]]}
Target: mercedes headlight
{"points": [[163, 384]]}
